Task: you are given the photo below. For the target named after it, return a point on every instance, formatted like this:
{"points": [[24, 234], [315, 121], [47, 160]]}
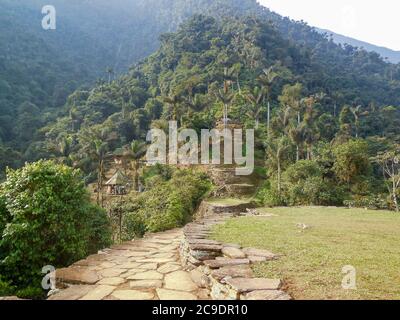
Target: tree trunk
{"points": [[297, 153], [269, 117], [98, 183], [135, 175], [238, 84], [396, 204], [279, 178], [101, 182]]}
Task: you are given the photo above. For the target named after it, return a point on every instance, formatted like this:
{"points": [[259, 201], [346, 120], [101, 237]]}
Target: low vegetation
{"points": [[170, 199], [315, 243], [46, 218]]}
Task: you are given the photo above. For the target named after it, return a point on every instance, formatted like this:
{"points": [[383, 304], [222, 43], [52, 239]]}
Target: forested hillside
{"points": [[100, 39], [326, 121], [317, 106]]}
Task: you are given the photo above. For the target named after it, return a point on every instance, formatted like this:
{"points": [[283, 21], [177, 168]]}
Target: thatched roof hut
{"points": [[118, 184], [118, 179]]}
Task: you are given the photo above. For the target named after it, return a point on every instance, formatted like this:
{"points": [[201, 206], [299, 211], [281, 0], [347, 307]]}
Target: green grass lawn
{"points": [[312, 259]]}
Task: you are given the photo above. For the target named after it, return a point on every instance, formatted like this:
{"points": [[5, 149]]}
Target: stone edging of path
{"points": [[225, 269]]}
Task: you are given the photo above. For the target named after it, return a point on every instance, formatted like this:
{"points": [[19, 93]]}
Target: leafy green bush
{"points": [[352, 161], [268, 195], [6, 288], [303, 184], [372, 202], [50, 221], [167, 205]]}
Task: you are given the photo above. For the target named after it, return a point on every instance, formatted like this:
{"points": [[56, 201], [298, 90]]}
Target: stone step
{"points": [[224, 262], [240, 271], [243, 285]]}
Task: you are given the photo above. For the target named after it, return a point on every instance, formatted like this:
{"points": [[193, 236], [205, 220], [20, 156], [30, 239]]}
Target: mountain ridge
{"points": [[393, 56]]}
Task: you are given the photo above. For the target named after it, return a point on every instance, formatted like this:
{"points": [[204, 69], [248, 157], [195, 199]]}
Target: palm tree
{"points": [[255, 98], [225, 95], [174, 101], [311, 134], [276, 152], [197, 103], [110, 72], [356, 111], [95, 145], [266, 80], [64, 147], [291, 98], [137, 150]]}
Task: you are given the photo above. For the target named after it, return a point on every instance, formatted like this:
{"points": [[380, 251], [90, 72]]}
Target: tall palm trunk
{"points": [[297, 146], [396, 204], [101, 182], [279, 178], [135, 168], [269, 118]]}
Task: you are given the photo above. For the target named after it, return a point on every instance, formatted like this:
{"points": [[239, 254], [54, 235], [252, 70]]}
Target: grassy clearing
{"points": [[312, 259]]}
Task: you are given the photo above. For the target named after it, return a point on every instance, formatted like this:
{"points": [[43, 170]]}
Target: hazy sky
{"points": [[376, 22]]}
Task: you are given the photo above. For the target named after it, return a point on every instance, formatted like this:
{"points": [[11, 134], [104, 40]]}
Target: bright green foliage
{"points": [[352, 161], [168, 204], [50, 221], [304, 184]]}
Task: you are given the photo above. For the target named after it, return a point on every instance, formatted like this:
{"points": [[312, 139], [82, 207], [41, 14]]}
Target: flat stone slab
{"points": [[112, 272], [148, 266], [72, 293], [180, 281], [266, 295], [168, 268], [205, 247], [242, 285], [259, 253], [203, 241], [255, 259], [115, 281], [233, 245], [132, 295], [98, 293], [241, 271], [156, 260], [199, 278], [77, 275], [233, 253], [145, 284], [215, 264], [148, 275], [164, 294], [129, 265]]}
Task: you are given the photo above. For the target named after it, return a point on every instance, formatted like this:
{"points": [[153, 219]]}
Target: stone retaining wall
{"points": [[225, 269]]}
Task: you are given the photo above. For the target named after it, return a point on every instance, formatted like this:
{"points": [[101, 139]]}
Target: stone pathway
{"points": [[181, 264], [143, 269], [225, 269]]}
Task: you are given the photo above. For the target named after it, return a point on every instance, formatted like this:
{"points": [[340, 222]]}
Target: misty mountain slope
{"points": [[102, 39], [180, 80], [392, 55]]}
